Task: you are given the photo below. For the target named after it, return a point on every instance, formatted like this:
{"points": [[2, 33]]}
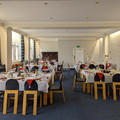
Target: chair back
{"points": [[34, 68], [92, 66], [116, 78], [101, 66], [32, 86], [60, 77], [27, 68], [82, 66], [99, 77], [26, 62], [77, 74], [60, 68], [12, 84]]}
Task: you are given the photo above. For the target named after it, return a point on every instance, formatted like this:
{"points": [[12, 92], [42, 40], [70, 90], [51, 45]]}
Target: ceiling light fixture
{"points": [[97, 2], [45, 3], [51, 18]]}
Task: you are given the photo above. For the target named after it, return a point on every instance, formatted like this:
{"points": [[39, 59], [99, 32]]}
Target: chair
{"points": [[30, 93], [57, 87], [82, 66], [78, 80], [116, 85], [101, 66], [59, 71], [34, 68], [99, 84], [92, 66], [11, 93]]}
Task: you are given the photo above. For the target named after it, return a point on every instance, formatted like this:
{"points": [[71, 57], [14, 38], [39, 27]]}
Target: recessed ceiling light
{"points": [[45, 3], [97, 2], [51, 18]]}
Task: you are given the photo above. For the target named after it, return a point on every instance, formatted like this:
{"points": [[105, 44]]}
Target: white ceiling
{"points": [[62, 18]]}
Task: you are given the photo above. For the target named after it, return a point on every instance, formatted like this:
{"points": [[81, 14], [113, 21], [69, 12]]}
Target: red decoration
{"points": [[44, 67], [108, 65], [21, 68], [100, 75], [29, 81]]}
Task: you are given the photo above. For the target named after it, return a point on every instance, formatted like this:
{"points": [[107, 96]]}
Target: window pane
{"points": [[16, 46], [31, 48]]}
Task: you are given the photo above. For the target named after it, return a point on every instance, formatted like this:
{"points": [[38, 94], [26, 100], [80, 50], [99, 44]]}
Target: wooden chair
{"points": [[99, 84], [92, 66], [11, 93], [31, 93], [116, 85], [78, 80], [101, 66], [57, 87]]}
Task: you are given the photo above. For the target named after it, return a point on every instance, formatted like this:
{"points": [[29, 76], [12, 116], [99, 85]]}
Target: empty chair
{"points": [[59, 71], [57, 87], [101, 66], [92, 66], [30, 93], [59, 67], [82, 66], [34, 68], [78, 80], [11, 93], [99, 84], [26, 62], [27, 69], [116, 85]]}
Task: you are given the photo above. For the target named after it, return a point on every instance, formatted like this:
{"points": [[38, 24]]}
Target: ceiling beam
{"points": [[65, 25]]}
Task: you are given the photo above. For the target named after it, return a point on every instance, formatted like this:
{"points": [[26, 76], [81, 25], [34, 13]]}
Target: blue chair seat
{"points": [[54, 88]]}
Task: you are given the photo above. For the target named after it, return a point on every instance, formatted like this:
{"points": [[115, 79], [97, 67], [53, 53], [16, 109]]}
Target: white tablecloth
{"points": [[90, 76], [43, 84]]}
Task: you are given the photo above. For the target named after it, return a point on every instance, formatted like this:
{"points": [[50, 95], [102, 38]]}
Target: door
{"points": [[78, 55]]}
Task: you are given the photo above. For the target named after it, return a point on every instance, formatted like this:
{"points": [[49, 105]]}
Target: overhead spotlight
{"points": [[97, 2], [45, 3], [51, 18]]}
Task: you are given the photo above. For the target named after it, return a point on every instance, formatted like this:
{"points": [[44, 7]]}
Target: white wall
{"points": [[6, 46], [49, 46], [91, 48], [114, 49]]}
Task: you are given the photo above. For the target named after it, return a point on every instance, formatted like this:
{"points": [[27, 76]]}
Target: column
{"points": [[6, 47], [27, 47]]}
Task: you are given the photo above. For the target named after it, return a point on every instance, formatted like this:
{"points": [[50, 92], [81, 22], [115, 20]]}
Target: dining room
{"points": [[59, 59]]}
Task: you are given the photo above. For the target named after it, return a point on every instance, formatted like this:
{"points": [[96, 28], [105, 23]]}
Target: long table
{"points": [[43, 80], [89, 75]]}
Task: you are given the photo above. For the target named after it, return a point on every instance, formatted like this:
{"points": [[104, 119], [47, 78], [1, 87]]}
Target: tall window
{"points": [[31, 49], [16, 46]]}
